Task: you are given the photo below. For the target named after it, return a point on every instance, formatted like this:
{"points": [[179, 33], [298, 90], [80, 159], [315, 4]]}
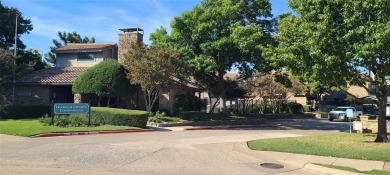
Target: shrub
{"points": [[23, 111], [101, 116], [250, 109], [307, 108], [122, 117], [292, 108], [161, 117], [199, 116]]}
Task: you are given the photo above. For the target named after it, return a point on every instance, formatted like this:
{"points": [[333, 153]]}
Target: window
{"points": [[373, 89], [86, 57]]}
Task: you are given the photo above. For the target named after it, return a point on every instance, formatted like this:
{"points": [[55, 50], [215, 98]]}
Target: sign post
{"points": [[72, 108], [350, 115]]}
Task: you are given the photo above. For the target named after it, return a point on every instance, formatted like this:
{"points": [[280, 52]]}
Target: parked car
{"points": [[341, 113]]}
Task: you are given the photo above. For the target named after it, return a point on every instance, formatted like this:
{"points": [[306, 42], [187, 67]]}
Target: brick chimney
{"points": [[129, 36]]}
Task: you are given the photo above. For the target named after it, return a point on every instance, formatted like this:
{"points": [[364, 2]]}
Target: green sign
{"points": [[71, 108]]}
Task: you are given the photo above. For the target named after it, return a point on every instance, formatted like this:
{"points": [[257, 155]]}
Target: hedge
{"points": [[306, 108], [292, 108], [102, 116], [24, 112]]}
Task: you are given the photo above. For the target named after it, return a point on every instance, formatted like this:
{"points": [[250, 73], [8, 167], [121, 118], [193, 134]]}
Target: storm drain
{"points": [[272, 165]]}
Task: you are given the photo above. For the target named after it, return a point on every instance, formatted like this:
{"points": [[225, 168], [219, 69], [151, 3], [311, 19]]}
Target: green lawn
{"points": [[353, 146], [30, 127], [373, 172]]}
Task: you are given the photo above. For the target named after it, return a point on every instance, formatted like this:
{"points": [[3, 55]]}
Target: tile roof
{"points": [[191, 83], [231, 76], [54, 75], [84, 47]]}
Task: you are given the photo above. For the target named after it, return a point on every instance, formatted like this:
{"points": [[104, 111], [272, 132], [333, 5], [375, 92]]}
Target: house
{"points": [[54, 85]]}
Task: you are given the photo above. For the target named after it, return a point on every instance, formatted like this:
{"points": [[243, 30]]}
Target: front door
{"points": [[62, 94]]}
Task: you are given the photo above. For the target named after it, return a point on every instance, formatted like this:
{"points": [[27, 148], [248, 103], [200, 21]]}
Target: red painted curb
{"points": [[90, 133], [232, 127]]}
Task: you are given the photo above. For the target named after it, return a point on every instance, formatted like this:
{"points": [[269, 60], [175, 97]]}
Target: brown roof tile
{"points": [[83, 47], [231, 76], [54, 75]]}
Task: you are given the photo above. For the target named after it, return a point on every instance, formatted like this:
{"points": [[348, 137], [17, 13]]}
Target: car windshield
{"points": [[342, 109]]}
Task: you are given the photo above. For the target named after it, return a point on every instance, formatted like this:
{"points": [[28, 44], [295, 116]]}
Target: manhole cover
{"points": [[271, 165]]}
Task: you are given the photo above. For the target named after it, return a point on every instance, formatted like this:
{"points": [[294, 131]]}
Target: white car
{"points": [[341, 113]]}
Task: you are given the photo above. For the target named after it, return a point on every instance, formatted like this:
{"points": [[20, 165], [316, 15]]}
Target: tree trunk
{"points": [[212, 107], [381, 136], [223, 100], [146, 101], [100, 101], [108, 102]]}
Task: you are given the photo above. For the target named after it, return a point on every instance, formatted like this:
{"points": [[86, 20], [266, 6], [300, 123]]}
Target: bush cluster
{"points": [[102, 116], [161, 117], [307, 108], [250, 109], [291, 108], [23, 111]]}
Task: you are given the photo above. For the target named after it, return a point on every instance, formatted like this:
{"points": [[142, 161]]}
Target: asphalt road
{"points": [[162, 152]]}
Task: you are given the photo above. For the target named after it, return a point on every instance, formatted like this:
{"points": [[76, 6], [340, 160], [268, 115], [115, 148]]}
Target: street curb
{"points": [[90, 133], [327, 170], [233, 126]]}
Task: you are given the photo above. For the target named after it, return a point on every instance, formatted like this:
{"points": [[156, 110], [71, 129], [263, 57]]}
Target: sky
{"points": [[101, 18]]}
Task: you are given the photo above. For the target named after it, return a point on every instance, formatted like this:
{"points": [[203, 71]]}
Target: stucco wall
{"points": [[70, 59], [299, 99], [371, 126]]}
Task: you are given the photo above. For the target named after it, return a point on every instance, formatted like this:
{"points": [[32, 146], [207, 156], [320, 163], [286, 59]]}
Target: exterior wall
{"points": [[32, 94], [371, 126], [299, 99], [70, 59], [167, 98], [357, 91], [125, 41]]}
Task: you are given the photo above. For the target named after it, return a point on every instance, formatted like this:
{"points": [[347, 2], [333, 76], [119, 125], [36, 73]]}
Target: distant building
{"points": [[55, 84]]}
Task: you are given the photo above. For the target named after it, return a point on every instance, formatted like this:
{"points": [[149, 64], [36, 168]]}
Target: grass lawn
{"points": [[376, 172], [30, 127], [353, 146]]}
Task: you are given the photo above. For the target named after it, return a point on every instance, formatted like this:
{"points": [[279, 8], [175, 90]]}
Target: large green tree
{"points": [[7, 37], [65, 38], [154, 68], [7, 27], [219, 34], [106, 79], [9, 71], [336, 44]]}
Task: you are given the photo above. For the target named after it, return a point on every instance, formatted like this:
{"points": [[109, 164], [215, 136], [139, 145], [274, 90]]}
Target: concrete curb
{"points": [[327, 170], [90, 133], [233, 127]]}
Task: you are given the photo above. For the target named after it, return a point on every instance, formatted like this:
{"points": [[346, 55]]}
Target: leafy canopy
{"points": [[154, 68], [107, 78], [334, 44], [7, 27], [219, 34]]}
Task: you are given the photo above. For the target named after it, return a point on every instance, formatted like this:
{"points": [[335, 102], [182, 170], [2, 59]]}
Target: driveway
{"points": [[163, 152]]}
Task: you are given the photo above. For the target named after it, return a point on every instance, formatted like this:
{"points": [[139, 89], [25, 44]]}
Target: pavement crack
{"points": [[334, 160], [127, 163], [71, 171]]}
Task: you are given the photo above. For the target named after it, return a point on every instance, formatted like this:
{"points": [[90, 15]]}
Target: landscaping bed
{"points": [[31, 127]]}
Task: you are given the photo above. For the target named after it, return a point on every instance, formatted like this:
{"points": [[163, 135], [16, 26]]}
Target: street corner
{"points": [[90, 133]]}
